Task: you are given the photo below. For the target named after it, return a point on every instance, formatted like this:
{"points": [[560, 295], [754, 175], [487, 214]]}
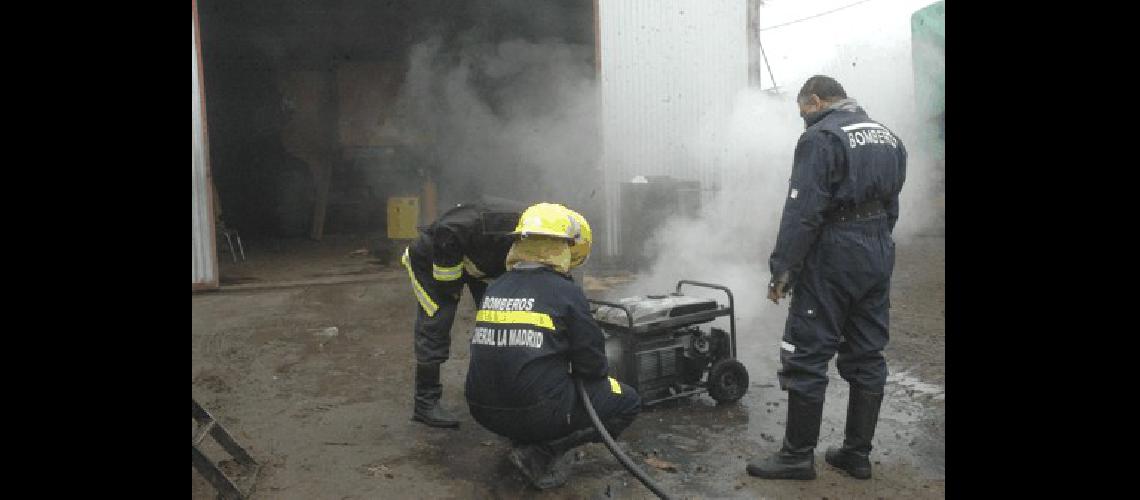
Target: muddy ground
{"points": [[305, 356]]}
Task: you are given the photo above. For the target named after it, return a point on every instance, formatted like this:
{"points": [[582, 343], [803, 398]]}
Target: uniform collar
{"points": [[538, 267], [845, 105], [814, 118]]}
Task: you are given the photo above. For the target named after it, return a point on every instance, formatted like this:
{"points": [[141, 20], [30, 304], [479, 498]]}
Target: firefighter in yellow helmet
{"points": [[580, 250], [533, 334]]}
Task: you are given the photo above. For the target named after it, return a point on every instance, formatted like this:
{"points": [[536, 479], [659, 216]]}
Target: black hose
{"points": [[609, 441]]}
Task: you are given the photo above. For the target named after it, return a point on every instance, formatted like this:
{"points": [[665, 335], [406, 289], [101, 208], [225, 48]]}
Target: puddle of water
{"points": [[904, 379], [330, 331]]}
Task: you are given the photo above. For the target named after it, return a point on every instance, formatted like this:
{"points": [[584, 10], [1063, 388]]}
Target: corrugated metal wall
{"points": [[667, 66], [205, 264]]}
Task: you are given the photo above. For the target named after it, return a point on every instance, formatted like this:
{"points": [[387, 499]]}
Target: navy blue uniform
{"points": [[457, 249], [533, 332], [835, 244]]}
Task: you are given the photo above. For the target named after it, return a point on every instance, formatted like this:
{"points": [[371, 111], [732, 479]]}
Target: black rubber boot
{"points": [[547, 465], [541, 466], [862, 417], [796, 458], [428, 392]]}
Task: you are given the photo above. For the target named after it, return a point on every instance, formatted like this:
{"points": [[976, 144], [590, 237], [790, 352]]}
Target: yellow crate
{"points": [[403, 215]]}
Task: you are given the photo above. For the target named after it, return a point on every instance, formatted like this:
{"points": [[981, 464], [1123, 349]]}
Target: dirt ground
{"points": [[305, 356]]}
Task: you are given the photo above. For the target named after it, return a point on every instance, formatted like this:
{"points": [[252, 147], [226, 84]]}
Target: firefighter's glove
{"points": [[778, 288]]}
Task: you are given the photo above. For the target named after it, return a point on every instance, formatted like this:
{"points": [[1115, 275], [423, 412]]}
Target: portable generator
{"points": [[655, 345]]}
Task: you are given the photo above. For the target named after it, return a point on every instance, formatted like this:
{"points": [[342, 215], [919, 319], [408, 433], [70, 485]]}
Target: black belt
{"points": [[862, 211]]}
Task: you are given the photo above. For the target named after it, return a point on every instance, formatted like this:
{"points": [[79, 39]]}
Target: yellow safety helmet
{"points": [[547, 219], [580, 250]]}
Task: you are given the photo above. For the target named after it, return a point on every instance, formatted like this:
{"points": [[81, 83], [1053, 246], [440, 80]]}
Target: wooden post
{"points": [[755, 72], [428, 207], [597, 45]]}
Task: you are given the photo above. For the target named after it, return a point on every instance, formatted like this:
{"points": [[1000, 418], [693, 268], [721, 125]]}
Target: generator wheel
{"points": [[728, 381]]}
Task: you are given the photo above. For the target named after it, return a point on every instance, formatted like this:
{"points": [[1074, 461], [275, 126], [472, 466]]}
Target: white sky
{"points": [[867, 48], [848, 35]]}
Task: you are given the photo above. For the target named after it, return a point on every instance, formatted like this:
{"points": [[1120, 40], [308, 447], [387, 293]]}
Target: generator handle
{"points": [[731, 306], [628, 313]]}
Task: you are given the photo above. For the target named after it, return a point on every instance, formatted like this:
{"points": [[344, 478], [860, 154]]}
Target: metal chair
{"points": [[230, 235]]}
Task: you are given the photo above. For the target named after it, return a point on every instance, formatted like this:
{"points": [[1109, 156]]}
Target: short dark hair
{"points": [[823, 86]]}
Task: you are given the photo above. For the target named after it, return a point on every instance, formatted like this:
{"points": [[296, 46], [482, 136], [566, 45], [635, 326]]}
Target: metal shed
{"points": [[666, 66]]}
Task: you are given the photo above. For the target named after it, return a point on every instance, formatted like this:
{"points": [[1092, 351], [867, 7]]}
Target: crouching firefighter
{"points": [[835, 246], [533, 335], [467, 245]]}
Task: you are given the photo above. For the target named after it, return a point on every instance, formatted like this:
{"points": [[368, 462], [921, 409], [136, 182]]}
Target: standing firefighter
{"points": [[467, 245], [835, 247], [533, 335]]}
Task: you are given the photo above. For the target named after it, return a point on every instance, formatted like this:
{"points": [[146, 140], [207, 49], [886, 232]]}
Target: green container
{"points": [[928, 46]]}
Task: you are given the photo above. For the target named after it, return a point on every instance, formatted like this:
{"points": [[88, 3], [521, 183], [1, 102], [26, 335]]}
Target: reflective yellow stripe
{"points": [[515, 317], [615, 387], [425, 300], [447, 273]]}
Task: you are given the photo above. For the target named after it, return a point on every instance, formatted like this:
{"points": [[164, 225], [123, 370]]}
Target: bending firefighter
{"points": [[835, 247], [467, 245], [533, 334]]}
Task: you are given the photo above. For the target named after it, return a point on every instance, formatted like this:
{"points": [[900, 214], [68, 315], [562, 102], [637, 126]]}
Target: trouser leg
{"points": [[547, 464], [432, 338], [862, 365], [811, 337], [616, 404]]}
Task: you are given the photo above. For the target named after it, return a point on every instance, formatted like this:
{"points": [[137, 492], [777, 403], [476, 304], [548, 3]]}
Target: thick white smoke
{"points": [[514, 119]]}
